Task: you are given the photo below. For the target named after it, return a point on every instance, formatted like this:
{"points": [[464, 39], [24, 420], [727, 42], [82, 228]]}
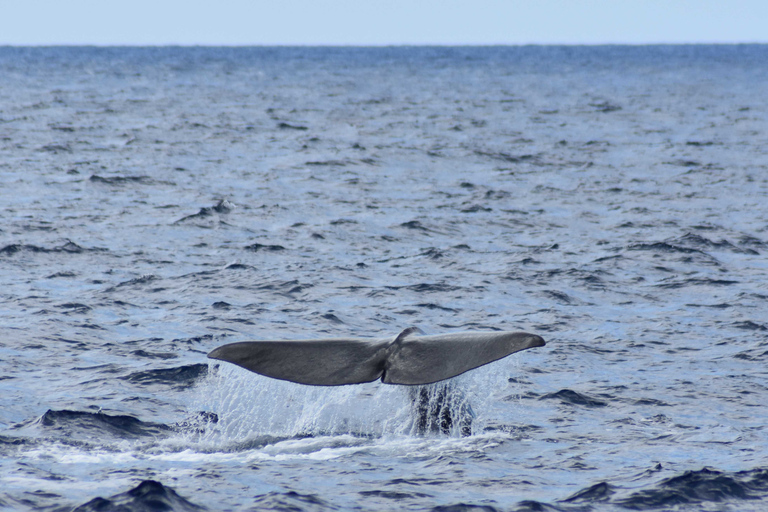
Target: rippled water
{"points": [[157, 203]]}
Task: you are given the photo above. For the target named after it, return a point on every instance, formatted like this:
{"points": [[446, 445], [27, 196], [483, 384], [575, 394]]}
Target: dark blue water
{"points": [[159, 202]]}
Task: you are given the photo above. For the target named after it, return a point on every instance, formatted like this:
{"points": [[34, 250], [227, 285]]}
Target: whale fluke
{"points": [[406, 359]]}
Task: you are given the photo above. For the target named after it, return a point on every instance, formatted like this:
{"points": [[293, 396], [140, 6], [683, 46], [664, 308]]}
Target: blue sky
{"points": [[380, 22]]}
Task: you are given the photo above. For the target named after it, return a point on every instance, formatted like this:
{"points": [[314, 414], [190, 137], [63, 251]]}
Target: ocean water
{"points": [[159, 202]]}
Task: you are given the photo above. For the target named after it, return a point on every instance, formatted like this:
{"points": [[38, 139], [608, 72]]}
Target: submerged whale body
{"points": [[406, 359], [439, 408]]}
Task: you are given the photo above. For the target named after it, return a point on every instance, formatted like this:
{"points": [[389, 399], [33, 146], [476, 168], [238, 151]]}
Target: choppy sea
{"points": [[159, 202]]}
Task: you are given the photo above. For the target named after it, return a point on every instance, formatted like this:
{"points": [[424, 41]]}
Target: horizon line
{"points": [[369, 45]]}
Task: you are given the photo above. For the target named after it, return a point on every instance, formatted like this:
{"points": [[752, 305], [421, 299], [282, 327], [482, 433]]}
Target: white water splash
{"points": [[256, 411]]}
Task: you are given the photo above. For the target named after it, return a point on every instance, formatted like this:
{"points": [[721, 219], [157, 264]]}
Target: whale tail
{"points": [[406, 359]]}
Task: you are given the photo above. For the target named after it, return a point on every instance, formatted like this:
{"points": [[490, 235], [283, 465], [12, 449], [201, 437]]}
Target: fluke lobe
{"points": [[407, 358]]}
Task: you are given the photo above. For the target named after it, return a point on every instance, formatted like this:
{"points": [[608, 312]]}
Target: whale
{"points": [[407, 359], [425, 363]]}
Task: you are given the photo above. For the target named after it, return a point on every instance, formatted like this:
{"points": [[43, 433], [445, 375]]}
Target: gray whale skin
{"points": [[406, 359]]}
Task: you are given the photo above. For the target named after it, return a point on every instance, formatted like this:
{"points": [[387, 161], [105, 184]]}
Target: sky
{"points": [[381, 22]]}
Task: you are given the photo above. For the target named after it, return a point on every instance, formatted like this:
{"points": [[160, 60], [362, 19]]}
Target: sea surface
{"points": [[156, 203]]}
